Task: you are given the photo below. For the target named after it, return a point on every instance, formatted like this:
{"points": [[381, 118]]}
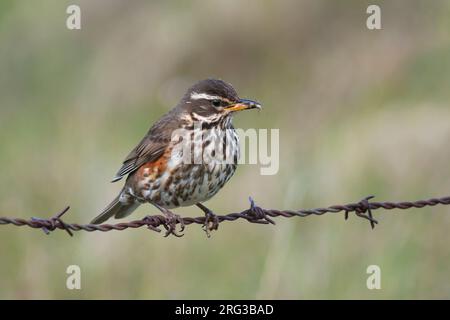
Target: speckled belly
{"points": [[170, 182]]}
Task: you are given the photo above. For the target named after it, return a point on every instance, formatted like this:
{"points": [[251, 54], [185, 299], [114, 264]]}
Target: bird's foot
{"points": [[171, 222], [211, 223], [211, 220]]}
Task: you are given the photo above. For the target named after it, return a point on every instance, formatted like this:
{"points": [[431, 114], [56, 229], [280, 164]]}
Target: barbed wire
{"points": [[254, 214]]}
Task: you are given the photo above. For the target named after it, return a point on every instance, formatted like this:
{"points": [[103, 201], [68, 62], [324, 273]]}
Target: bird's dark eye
{"points": [[216, 103]]}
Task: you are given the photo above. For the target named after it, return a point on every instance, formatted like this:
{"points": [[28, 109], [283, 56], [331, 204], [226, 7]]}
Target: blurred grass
{"points": [[360, 112]]}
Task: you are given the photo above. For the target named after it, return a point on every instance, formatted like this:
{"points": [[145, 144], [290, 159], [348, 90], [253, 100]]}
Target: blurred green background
{"points": [[360, 112]]}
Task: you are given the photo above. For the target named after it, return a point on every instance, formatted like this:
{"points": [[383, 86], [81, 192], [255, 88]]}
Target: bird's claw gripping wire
{"points": [[52, 223], [363, 210], [170, 224], [211, 223], [257, 214]]}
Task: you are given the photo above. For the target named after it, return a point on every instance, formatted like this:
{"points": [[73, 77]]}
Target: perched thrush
{"points": [[161, 174]]}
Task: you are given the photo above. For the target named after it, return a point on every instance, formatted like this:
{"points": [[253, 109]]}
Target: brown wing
{"points": [[151, 147]]}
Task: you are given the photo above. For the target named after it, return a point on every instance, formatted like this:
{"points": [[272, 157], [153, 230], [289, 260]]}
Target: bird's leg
{"points": [[211, 220], [171, 221]]}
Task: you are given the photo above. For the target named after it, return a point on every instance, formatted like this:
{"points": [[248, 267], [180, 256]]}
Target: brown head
{"points": [[213, 100]]}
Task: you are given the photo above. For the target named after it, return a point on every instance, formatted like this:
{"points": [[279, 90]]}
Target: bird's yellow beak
{"points": [[243, 104]]}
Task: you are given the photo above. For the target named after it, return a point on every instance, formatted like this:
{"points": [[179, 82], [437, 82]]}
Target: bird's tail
{"points": [[116, 209]]}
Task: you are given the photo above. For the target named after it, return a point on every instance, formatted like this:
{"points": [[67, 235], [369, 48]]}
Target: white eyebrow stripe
{"points": [[198, 96]]}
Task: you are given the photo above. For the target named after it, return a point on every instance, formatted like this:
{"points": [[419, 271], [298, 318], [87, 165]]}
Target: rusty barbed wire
{"points": [[254, 214]]}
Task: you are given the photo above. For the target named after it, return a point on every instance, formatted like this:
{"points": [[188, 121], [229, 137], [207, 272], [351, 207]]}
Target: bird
{"points": [[160, 171]]}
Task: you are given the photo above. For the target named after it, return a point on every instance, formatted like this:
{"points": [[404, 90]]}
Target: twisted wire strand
{"points": [[254, 214]]}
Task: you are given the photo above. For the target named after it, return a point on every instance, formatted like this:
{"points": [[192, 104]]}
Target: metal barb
{"points": [[52, 223], [364, 207], [257, 214]]}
